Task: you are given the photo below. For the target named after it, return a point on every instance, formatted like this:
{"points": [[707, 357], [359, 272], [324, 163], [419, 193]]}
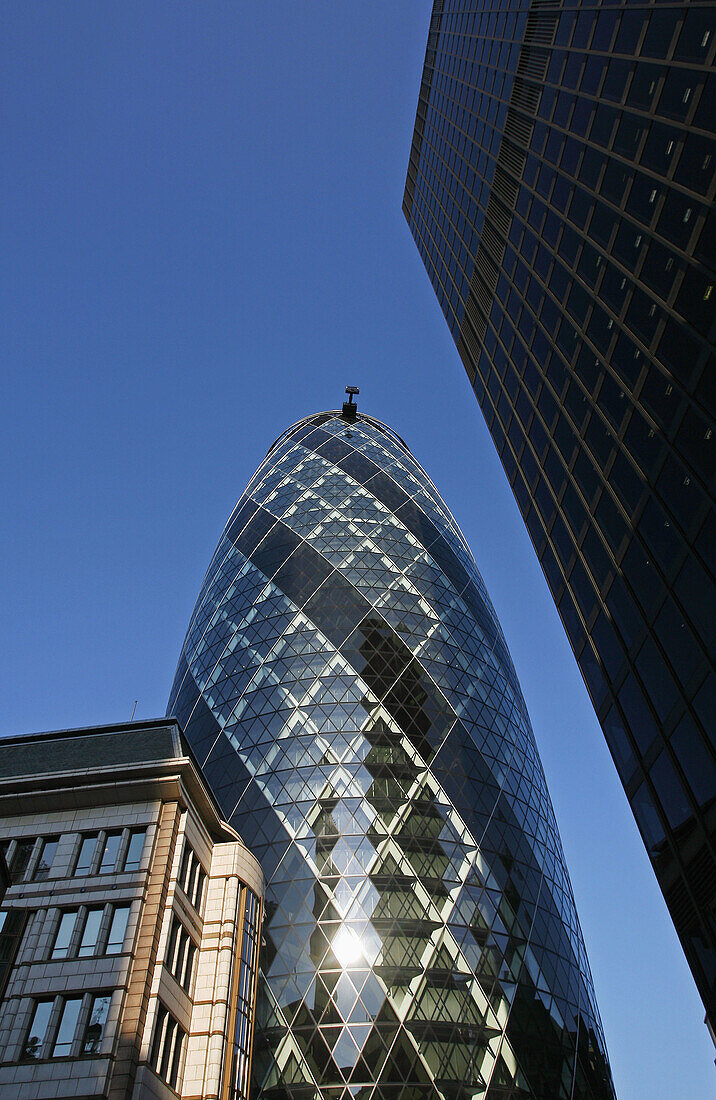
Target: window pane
{"points": [[109, 855], [174, 1068], [64, 934], [44, 865], [117, 930], [20, 859], [67, 1028], [179, 962], [185, 980], [159, 1029], [168, 1046], [170, 959], [199, 891], [645, 812], [134, 852], [191, 884], [695, 759], [185, 866], [671, 793], [38, 1029], [84, 859], [12, 927], [91, 931], [92, 1042]]}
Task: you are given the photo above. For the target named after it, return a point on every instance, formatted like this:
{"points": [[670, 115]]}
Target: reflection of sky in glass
{"points": [[347, 689]]}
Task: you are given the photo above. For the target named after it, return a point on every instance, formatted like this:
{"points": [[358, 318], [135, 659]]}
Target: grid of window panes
{"points": [[181, 953], [346, 687], [32, 859], [66, 1027], [84, 931], [192, 877], [587, 333], [167, 1051]]}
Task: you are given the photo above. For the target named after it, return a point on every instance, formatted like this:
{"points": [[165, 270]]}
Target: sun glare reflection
{"points": [[347, 946]]}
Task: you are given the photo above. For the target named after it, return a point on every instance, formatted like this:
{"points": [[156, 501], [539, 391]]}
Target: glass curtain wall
{"points": [[347, 688]]}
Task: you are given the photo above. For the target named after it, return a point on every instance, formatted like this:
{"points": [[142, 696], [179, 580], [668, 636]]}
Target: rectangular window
{"points": [[192, 877], [90, 933], [37, 1032], [167, 1047], [180, 955], [135, 849], [117, 930], [96, 1024], [20, 859], [68, 1027], [85, 855], [47, 855], [12, 927], [63, 936], [110, 852]]}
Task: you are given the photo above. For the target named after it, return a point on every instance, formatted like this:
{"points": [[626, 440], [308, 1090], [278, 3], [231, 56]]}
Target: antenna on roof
{"points": [[350, 408]]}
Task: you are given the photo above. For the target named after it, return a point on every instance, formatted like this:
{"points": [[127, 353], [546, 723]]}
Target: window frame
{"points": [[181, 954], [95, 997], [85, 838], [42, 874], [73, 915], [192, 877], [168, 1046], [25, 1056], [74, 1004], [24, 844], [108, 941]]}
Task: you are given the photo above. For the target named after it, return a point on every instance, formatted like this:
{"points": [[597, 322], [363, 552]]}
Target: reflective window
{"points": [[117, 930], [90, 932], [638, 715], [181, 953], [67, 1027], [135, 849], [167, 1047], [21, 858], [37, 1032], [12, 928], [192, 877], [85, 855], [96, 1024], [61, 946], [648, 818], [696, 761], [110, 852], [43, 866], [670, 790]]}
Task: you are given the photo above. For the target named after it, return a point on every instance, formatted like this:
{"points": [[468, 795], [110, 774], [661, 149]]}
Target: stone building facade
{"points": [[129, 932]]}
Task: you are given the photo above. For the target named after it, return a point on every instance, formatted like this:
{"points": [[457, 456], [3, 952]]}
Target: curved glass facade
{"points": [[347, 688]]}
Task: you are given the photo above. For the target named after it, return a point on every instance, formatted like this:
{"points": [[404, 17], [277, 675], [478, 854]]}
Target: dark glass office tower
{"points": [[346, 686], [559, 191]]}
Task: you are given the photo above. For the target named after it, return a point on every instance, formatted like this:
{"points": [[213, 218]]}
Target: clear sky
{"points": [[203, 242]]}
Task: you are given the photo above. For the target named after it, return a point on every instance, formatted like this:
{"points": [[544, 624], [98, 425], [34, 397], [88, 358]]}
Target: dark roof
{"points": [[91, 747]]}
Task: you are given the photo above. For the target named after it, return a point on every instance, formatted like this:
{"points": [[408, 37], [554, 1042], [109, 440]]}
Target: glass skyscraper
{"points": [[560, 191], [345, 685]]}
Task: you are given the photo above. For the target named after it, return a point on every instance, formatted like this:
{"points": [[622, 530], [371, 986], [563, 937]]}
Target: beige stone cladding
{"points": [[122, 925]]}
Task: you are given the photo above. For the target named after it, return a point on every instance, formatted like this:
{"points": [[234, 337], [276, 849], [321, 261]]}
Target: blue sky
{"points": [[203, 241]]}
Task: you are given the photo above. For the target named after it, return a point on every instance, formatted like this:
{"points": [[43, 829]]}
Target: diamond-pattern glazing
{"points": [[347, 689]]}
